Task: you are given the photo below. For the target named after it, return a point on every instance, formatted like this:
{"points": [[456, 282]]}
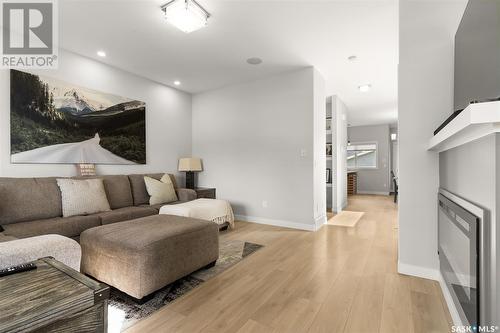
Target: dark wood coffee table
{"points": [[51, 298]]}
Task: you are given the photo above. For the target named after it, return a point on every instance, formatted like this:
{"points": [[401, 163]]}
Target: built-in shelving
{"points": [[475, 122], [329, 158]]}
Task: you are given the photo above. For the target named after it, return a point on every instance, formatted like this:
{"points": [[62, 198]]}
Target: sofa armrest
{"points": [[186, 194], [20, 251]]}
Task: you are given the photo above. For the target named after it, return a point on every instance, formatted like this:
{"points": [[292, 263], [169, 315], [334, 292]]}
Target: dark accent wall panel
{"points": [[477, 53]]}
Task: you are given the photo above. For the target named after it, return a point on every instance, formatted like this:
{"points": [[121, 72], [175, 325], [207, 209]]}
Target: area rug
{"points": [[346, 219], [123, 312]]}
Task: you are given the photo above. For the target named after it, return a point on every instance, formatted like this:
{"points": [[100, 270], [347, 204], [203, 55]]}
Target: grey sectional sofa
{"points": [[130, 247], [32, 206]]}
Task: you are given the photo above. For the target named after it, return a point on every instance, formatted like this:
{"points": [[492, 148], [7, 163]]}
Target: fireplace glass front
{"points": [[459, 253]]}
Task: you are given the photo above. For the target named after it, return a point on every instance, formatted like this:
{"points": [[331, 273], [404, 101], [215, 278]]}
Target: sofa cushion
{"points": [[160, 191], [138, 185], [118, 190], [6, 238], [83, 196], [65, 226], [27, 199], [125, 214], [158, 206], [186, 194]]}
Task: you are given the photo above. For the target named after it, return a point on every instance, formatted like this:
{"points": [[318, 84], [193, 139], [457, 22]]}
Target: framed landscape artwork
{"points": [[57, 122]]}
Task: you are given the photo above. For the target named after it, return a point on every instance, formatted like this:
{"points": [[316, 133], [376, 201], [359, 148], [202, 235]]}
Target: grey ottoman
{"points": [[143, 255]]}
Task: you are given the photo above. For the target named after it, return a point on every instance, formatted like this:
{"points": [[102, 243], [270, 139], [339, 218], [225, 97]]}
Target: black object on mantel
{"points": [[447, 121], [456, 113]]}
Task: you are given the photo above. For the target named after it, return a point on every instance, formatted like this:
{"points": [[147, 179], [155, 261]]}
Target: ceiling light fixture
{"points": [[186, 15], [365, 87], [177, 83], [254, 61], [101, 54]]}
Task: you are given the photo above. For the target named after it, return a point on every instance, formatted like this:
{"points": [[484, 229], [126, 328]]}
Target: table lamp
{"points": [[190, 165]]}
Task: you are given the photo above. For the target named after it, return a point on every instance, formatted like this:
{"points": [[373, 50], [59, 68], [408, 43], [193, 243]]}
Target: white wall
{"points": [[340, 133], [319, 158], [425, 100], [168, 117], [373, 181], [257, 145]]}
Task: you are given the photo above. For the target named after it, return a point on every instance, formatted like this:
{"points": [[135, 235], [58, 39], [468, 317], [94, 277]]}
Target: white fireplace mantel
{"points": [[475, 122]]}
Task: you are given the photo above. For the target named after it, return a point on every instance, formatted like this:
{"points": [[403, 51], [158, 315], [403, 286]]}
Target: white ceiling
{"points": [[287, 35]]}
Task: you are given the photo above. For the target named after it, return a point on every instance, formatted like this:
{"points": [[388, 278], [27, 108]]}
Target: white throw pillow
{"points": [[83, 197], [160, 191]]}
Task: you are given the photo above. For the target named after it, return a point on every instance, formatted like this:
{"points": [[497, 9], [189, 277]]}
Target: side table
{"points": [[205, 192]]}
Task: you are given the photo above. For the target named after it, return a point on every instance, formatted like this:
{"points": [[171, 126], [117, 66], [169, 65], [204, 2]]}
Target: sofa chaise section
{"points": [[19, 251], [125, 214]]}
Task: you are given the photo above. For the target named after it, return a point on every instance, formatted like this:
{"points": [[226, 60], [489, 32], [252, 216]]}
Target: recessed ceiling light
{"points": [[177, 83], [352, 58], [365, 87], [186, 15], [101, 54], [254, 61]]}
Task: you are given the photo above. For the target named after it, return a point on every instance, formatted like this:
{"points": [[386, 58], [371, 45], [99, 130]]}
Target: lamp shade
{"points": [[190, 164]]}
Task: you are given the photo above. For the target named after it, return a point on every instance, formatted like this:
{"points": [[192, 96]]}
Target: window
{"points": [[362, 156]]}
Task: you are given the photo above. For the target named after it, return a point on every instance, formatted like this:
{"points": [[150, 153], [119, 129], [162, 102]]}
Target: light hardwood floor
{"points": [[338, 279]]}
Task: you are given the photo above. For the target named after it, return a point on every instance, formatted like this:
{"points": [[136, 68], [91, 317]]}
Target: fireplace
{"points": [[461, 244]]}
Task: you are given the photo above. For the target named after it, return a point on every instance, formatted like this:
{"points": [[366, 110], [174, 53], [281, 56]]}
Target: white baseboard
{"points": [[320, 221], [432, 274], [418, 271], [344, 204], [277, 223], [372, 192], [341, 207]]}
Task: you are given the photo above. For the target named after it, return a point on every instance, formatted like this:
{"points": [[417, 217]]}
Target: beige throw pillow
{"points": [[160, 191], [83, 197]]}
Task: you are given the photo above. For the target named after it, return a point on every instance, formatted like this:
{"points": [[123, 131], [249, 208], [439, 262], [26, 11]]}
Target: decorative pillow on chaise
{"points": [[160, 191], [83, 197]]}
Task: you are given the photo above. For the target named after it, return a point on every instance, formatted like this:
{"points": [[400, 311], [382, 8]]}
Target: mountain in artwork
{"points": [[56, 122]]}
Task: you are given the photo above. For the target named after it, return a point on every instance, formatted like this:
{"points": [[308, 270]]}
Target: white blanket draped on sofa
{"points": [[218, 211]]}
